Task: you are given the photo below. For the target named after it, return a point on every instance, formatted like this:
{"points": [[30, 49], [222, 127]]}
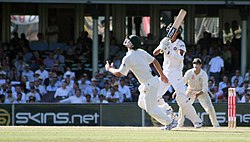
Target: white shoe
{"points": [[198, 124], [169, 127]]}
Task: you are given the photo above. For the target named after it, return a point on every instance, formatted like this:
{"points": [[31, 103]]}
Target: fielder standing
{"points": [[197, 80], [174, 52], [138, 60]]}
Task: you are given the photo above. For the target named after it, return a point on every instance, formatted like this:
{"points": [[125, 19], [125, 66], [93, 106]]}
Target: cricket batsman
{"points": [[173, 51]]}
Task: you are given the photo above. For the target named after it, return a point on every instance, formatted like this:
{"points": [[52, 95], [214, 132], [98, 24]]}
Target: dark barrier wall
{"points": [[5, 115], [126, 114]]}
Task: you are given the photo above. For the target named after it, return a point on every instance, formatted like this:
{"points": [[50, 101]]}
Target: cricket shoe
{"points": [[198, 125], [169, 127]]}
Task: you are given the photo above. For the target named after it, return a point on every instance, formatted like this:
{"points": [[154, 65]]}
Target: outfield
{"points": [[121, 134]]}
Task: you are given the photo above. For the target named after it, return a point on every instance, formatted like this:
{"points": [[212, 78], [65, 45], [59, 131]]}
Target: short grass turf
{"points": [[121, 134]]}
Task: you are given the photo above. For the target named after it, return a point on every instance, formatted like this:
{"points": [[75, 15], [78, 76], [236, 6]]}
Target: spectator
{"points": [[2, 77], [62, 92], [27, 55], [216, 66], [70, 73], [9, 99], [227, 56], [58, 56], [89, 90], [77, 98], [218, 95], [79, 70], [42, 72], [106, 89], [95, 96], [102, 99], [14, 75], [20, 64], [113, 96], [72, 91], [69, 57], [33, 93], [121, 96], [23, 40], [223, 84], [14, 42], [32, 99], [238, 77], [28, 73], [84, 82], [88, 98], [19, 89], [247, 75], [205, 42], [19, 99], [227, 34], [40, 37], [242, 98], [125, 91], [51, 87], [2, 98], [248, 95], [40, 88], [49, 61]]}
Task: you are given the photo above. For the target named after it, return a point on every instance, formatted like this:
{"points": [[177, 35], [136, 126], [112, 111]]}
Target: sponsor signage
{"points": [[55, 114], [5, 115]]}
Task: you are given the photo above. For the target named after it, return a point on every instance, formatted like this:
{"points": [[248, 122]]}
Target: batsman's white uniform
{"points": [[138, 62], [197, 83], [172, 68]]}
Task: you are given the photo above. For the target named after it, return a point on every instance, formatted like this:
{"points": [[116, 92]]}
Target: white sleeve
{"points": [[205, 82], [124, 67], [163, 44]]}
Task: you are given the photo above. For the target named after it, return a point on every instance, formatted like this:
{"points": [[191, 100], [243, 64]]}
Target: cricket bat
{"points": [[172, 32]]}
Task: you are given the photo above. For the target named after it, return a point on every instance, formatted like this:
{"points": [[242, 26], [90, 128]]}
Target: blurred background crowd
{"points": [[64, 75]]}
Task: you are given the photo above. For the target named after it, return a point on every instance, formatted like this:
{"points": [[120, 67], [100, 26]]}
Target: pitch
{"points": [[121, 134]]}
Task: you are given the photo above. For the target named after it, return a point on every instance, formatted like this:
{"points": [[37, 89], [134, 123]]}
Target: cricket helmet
{"points": [[132, 41]]}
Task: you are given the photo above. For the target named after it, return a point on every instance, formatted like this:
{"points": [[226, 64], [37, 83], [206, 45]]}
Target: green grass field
{"points": [[121, 134]]}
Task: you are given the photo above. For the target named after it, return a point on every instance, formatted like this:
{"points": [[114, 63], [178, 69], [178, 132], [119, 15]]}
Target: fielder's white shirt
{"points": [[138, 62], [173, 60], [196, 82], [216, 64]]}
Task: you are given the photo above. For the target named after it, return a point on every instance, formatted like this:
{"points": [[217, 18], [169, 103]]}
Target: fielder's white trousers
{"points": [[148, 101], [206, 103]]}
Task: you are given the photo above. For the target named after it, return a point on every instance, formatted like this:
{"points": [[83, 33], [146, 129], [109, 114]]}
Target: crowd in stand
{"points": [[64, 75]]}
